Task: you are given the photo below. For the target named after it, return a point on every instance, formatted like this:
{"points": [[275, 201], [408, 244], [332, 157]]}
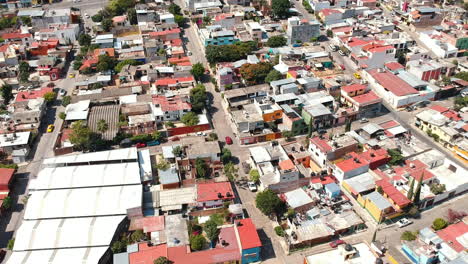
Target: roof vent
{"points": [[348, 247], [220, 195]]}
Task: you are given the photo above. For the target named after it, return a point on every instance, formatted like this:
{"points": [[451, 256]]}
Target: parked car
{"points": [[341, 53], [252, 186], [342, 67], [410, 108], [404, 222], [50, 128], [71, 75], [364, 120], [201, 134], [336, 243], [62, 92], [357, 75], [228, 140], [153, 143], [140, 145], [175, 139]]}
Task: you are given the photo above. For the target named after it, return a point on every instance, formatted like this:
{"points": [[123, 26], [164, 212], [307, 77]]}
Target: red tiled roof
{"points": [[376, 47], [416, 169], [107, 51], [439, 108], [352, 163], [326, 180], [16, 35], [118, 19], [369, 97], [165, 32], [210, 191], [353, 42], [342, 29], [179, 60], [173, 81], [465, 127], [450, 234], [286, 165], [4, 48], [452, 115], [27, 95], [396, 196], [223, 16], [329, 11], [321, 144], [171, 104], [392, 83], [248, 235], [373, 155], [6, 175], [148, 224], [394, 66], [353, 87], [389, 124], [147, 254]]}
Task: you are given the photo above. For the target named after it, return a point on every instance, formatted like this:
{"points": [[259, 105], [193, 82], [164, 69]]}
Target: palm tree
{"points": [[102, 126]]}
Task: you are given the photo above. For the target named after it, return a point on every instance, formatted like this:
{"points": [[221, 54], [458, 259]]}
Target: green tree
{"points": [[211, 230], [66, 100], [408, 236], [132, 16], [311, 127], [395, 156], [163, 165], [7, 203], [6, 92], [23, 75], [80, 136], [279, 231], [255, 73], [280, 8], [226, 155], [180, 20], [329, 33], [102, 126], [439, 223], [276, 41], [84, 40], [197, 242], [97, 18], [234, 52], [121, 64], [462, 75], [288, 135], [62, 115], [174, 9], [348, 125], [437, 188], [170, 124], [254, 175], [201, 168], [177, 151], [11, 244], [49, 97], [273, 75], [190, 119], [105, 63], [162, 260], [417, 192], [230, 171], [106, 24], [197, 71], [77, 65], [26, 21], [269, 203], [198, 98], [138, 236], [410, 193], [118, 247]]}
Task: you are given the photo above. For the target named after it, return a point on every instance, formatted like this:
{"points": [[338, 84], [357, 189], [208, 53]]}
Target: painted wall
{"points": [[250, 255]]}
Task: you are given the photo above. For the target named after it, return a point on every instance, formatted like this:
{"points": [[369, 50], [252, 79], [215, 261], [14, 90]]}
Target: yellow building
{"points": [[377, 206], [433, 122]]}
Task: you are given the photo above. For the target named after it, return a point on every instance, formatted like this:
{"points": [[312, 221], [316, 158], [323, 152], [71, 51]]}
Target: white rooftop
{"points": [[297, 198], [60, 256], [260, 154], [87, 176], [116, 154], [83, 202], [66, 233], [362, 256], [14, 139]]}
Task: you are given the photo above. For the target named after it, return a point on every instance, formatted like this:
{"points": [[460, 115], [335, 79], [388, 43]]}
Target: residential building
{"points": [[255, 30], [353, 166], [24, 39], [66, 33], [323, 150], [320, 115], [358, 254], [436, 42], [248, 120], [437, 123], [331, 16], [358, 96], [426, 70], [425, 16], [216, 35], [318, 5], [373, 56], [214, 195], [170, 108], [250, 242], [302, 30]]}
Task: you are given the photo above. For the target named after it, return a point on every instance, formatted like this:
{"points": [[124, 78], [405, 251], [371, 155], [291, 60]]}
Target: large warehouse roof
{"points": [[59, 256], [111, 155], [83, 202], [87, 176], [66, 233]]}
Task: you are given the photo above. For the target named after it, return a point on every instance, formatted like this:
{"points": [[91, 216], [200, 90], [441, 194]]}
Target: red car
{"points": [[140, 145], [175, 139], [342, 67], [336, 243], [228, 140]]}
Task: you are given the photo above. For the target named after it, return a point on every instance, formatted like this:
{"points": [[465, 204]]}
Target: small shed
{"points": [[332, 190]]}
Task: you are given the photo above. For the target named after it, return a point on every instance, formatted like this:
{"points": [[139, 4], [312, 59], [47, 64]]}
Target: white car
{"points": [[341, 53], [62, 92], [252, 186], [404, 222]]}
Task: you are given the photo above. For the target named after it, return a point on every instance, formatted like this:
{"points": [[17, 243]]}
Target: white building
{"points": [[434, 41], [66, 34], [357, 254]]}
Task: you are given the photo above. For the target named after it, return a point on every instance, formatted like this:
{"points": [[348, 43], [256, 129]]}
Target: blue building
{"points": [[332, 190], [249, 240], [216, 35], [423, 250]]}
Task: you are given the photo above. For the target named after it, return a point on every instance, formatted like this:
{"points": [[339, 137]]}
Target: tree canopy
{"points": [[105, 63], [121, 64], [226, 53], [211, 230], [162, 260], [190, 119], [439, 223], [276, 41], [6, 91], [197, 242], [280, 8], [49, 97], [408, 236], [255, 73], [201, 168], [273, 75], [197, 71], [198, 98], [254, 175], [84, 40], [396, 156], [23, 72], [268, 203]]}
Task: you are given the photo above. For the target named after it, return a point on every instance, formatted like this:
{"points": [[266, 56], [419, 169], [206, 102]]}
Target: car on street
{"points": [[357, 75], [252, 186], [140, 145], [201, 134], [50, 128], [228, 140], [336, 243], [175, 139], [404, 222], [71, 75], [364, 120], [341, 53], [342, 67], [62, 92], [86, 15]]}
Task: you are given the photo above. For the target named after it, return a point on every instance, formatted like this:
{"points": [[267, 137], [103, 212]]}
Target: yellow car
{"points": [[71, 75], [357, 75], [50, 128]]}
